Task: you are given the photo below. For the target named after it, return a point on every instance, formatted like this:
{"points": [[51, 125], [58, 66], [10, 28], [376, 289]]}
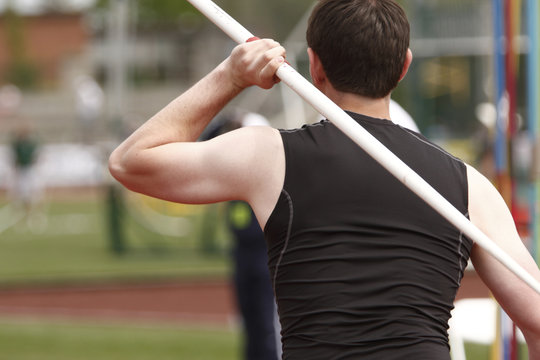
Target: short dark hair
{"points": [[362, 44]]}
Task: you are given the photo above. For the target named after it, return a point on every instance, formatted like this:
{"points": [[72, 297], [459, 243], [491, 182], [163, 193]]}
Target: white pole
{"points": [[294, 106], [370, 144]]}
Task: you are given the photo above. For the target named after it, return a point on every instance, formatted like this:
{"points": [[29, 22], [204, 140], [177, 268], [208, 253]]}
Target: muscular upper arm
{"points": [[489, 213], [245, 164]]}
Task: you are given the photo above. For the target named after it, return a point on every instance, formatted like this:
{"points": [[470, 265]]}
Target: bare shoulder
{"points": [[257, 154], [271, 172], [489, 211], [252, 145], [484, 199], [262, 137]]}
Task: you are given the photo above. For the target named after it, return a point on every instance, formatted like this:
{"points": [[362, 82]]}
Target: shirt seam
{"points": [[432, 145], [303, 128], [285, 245]]}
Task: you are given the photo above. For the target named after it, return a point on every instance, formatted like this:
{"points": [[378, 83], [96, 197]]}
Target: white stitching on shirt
{"points": [[462, 260], [289, 227], [430, 144], [320, 123]]}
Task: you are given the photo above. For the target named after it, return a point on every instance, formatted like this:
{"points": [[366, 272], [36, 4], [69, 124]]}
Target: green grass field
{"points": [[50, 340], [39, 340], [483, 352], [68, 240]]}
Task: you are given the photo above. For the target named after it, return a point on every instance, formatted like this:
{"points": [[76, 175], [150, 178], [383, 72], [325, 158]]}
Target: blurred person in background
{"points": [[401, 117], [26, 187], [361, 267], [251, 278]]}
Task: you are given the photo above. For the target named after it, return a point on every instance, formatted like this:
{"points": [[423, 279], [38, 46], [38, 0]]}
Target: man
{"points": [[25, 152], [361, 268]]}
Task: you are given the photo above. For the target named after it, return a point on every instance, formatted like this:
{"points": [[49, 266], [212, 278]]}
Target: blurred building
{"points": [[46, 44], [44, 53]]}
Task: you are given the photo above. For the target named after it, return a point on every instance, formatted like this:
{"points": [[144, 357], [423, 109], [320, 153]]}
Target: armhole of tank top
{"points": [[464, 261], [466, 186], [286, 152]]}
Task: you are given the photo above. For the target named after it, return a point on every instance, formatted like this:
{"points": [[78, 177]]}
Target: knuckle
{"points": [[238, 52], [267, 56], [244, 61], [271, 42]]}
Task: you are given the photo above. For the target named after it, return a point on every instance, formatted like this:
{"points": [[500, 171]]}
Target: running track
{"points": [[203, 302]]}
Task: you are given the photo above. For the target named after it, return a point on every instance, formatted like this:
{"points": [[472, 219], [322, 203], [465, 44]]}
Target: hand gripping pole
{"points": [[369, 144]]}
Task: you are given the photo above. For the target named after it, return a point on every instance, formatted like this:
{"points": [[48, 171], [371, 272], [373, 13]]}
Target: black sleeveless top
{"points": [[362, 268]]}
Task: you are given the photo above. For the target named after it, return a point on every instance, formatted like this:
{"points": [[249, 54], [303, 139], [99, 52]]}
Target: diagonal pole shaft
{"points": [[369, 144]]}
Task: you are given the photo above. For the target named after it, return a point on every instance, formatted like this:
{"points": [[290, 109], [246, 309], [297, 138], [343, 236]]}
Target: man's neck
{"points": [[375, 108]]}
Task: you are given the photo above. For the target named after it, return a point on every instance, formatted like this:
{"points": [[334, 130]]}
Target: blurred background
{"points": [[88, 269]]}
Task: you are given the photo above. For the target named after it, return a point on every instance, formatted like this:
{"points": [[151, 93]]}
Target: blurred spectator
{"points": [[253, 288], [484, 139], [89, 99], [10, 99], [252, 284], [401, 117], [26, 185]]}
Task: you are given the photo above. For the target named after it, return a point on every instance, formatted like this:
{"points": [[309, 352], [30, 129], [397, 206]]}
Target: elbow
{"points": [[130, 169], [118, 167]]}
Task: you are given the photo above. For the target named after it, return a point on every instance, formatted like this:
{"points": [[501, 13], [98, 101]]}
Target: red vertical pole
{"points": [[511, 88]]}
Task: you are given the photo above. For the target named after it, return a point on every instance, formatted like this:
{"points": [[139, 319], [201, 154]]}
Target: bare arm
{"points": [[489, 212], [162, 159]]}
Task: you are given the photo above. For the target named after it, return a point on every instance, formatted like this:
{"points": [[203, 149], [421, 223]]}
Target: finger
{"points": [[257, 61], [277, 51], [256, 54], [261, 45], [268, 73]]}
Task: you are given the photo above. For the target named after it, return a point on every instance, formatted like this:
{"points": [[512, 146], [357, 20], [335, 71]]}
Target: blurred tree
{"points": [[164, 11], [150, 12], [178, 22], [273, 19], [55, 5], [269, 18], [21, 72]]}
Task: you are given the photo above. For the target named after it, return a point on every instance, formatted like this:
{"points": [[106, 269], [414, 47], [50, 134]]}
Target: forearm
{"points": [[534, 352], [533, 345], [184, 118]]}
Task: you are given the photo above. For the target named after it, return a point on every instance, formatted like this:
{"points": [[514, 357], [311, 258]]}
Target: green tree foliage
{"points": [[21, 72], [151, 12], [163, 10], [268, 18]]}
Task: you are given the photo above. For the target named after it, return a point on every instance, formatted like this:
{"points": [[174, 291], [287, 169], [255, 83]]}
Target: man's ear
{"points": [[318, 76], [407, 64]]}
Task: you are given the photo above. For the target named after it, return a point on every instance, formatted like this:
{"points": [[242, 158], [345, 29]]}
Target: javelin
{"points": [[369, 144]]}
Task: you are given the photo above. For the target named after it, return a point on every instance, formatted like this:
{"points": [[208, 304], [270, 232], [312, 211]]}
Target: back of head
{"points": [[362, 44]]}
